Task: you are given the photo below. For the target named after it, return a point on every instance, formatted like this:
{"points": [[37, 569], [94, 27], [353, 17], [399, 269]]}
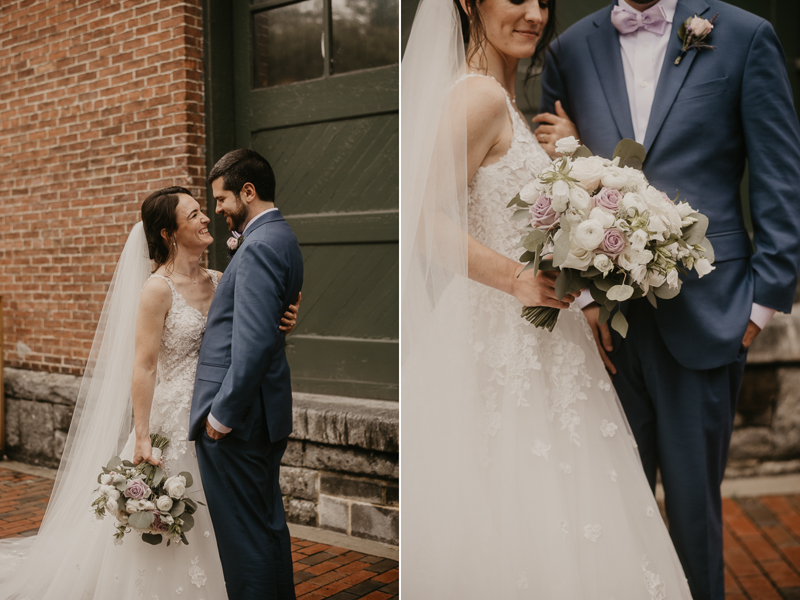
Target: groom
{"points": [[679, 370], [242, 404]]}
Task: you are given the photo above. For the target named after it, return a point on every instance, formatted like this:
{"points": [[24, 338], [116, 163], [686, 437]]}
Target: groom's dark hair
{"points": [[242, 166]]}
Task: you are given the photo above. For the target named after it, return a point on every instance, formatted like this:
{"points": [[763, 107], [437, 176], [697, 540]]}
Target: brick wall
{"points": [[101, 102]]}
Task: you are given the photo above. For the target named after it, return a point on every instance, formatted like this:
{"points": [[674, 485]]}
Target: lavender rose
{"points": [[543, 216], [613, 242], [137, 489], [158, 524], [608, 198]]}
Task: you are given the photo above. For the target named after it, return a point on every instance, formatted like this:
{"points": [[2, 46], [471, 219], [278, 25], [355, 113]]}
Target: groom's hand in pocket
{"points": [[213, 433], [752, 331], [602, 335]]}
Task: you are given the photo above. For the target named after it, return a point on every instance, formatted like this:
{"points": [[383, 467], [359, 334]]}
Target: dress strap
{"points": [[509, 102], [167, 279], [214, 278]]}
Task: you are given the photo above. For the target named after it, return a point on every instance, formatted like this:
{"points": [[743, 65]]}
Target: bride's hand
{"points": [[552, 128], [143, 451], [289, 319], [539, 290]]}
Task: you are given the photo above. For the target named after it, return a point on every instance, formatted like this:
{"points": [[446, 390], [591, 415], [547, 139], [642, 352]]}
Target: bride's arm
{"points": [[154, 304], [487, 116]]}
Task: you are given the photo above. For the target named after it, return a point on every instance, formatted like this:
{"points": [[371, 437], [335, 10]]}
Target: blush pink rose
{"points": [[608, 198], [543, 216], [613, 243], [137, 489]]}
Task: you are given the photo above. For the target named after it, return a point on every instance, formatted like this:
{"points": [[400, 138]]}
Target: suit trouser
{"points": [[682, 420], [240, 480]]}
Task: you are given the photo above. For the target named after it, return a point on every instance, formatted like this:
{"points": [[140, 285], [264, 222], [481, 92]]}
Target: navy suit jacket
{"points": [[242, 358], [711, 113]]}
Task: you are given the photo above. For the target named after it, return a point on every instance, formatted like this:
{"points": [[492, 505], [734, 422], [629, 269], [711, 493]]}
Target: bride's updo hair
{"points": [[159, 212], [472, 28]]}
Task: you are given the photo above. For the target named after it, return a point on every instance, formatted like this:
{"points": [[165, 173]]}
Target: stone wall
{"points": [[340, 470]]}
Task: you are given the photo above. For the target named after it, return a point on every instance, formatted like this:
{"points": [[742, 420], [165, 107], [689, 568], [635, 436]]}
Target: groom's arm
{"points": [[772, 138], [257, 306]]}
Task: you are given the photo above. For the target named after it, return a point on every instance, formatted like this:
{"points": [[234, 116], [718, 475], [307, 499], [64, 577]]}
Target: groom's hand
{"points": [[752, 331], [553, 127], [213, 433], [602, 335]]}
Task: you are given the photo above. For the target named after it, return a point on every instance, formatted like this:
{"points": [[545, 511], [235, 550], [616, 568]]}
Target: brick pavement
{"points": [[321, 571]]}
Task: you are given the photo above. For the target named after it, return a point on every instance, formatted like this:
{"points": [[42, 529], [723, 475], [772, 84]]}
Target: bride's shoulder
{"points": [[156, 293], [482, 96]]}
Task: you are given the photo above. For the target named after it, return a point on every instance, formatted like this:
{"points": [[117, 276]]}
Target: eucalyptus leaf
{"points": [[620, 324], [562, 284], [517, 201], [546, 264], [527, 256], [152, 538], [521, 215], [665, 292], [114, 464], [530, 265], [630, 153], [536, 263], [696, 232], [582, 152], [127, 463], [651, 297], [191, 505], [188, 477], [591, 273], [184, 540], [141, 520], [561, 249], [188, 522], [598, 295], [604, 284], [158, 477], [121, 486], [178, 508], [121, 502], [534, 240], [604, 315], [708, 250]]}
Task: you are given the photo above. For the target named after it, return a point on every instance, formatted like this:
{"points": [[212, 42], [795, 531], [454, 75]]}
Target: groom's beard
{"points": [[239, 216]]}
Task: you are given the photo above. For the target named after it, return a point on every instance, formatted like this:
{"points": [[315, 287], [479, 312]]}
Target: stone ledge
{"points": [[41, 386], [339, 421]]}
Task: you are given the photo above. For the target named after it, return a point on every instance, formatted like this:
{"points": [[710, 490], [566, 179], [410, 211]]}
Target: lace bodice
{"points": [[493, 186], [177, 363]]}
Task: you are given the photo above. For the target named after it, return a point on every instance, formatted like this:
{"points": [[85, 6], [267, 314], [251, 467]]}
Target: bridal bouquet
{"points": [[142, 498], [607, 229]]}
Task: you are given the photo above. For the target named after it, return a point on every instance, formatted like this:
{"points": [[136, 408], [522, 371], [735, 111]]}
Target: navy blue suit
{"points": [[681, 366], [243, 379]]}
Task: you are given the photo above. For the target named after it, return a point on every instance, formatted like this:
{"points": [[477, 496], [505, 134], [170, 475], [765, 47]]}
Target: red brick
{"points": [[757, 586], [781, 574]]}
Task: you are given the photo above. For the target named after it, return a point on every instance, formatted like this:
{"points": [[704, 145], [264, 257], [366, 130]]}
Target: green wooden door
{"points": [[315, 91]]}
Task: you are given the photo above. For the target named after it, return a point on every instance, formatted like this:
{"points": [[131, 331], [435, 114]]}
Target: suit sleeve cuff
{"points": [[585, 299], [217, 425], [760, 315]]}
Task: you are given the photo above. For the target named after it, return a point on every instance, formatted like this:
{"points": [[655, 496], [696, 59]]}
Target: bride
{"points": [[520, 475], [75, 556]]}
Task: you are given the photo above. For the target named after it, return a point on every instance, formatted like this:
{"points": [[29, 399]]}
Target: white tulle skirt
{"points": [[521, 477]]}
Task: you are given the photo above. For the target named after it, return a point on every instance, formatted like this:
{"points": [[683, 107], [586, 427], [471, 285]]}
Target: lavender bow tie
{"points": [[628, 21]]}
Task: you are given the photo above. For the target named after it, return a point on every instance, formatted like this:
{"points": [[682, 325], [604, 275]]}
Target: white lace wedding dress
{"points": [[578, 520], [97, 568]]}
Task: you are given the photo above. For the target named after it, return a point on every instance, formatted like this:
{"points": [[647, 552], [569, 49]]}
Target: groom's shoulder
{"points": [[735, 16], [578, 31]]}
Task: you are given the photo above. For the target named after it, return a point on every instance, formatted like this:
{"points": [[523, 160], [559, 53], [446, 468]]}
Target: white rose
{"points": [[579, 198], [672, 279], [164, 503], [631, 203], [684, 210], [106, 479], [175, 486], [639, 273], [636, 178], [703, 267], [614, 177], [132, 506], [106, 489], [578, 258], [116, 478], [588, 171], [604, 217], [588, 234], [567, 145], [627, 260], [644, 257], [655, 279], [658, 227], [700, 26], [529, 193], [603, 263], [574, 217], [638, 239], [146, 505]]}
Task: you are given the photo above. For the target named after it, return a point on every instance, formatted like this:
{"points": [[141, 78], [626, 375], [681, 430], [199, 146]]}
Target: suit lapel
{"points": [[672, 76], [607, 57]]}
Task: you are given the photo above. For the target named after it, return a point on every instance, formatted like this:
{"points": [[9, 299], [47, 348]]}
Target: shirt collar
{"points": [[668, 6], [258, 216]]}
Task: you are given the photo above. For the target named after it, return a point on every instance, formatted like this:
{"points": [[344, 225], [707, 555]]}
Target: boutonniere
{"points": [[234, 242], [694, 33]]}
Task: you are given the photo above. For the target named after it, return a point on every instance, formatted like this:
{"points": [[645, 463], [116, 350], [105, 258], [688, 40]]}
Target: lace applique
{"points": [[539, 448], [592, 532], [613, 474], [650, 511], [655, 587], [522, 582], [179, 591], [494, 418], [197, 574], [565, 527], [565, 468], [608, 428], [604, 385], [140, 582]]}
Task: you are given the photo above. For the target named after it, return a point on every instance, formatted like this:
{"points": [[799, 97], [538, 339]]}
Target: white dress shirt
{"points": [[643, 55], [214, 423]]}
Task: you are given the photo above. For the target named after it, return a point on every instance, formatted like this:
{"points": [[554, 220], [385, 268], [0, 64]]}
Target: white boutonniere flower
{"points": [[695, 32]]}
